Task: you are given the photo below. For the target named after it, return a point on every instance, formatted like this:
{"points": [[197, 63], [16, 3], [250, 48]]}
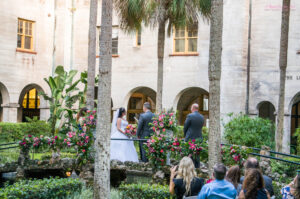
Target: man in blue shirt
{"points": [[219, 188]]}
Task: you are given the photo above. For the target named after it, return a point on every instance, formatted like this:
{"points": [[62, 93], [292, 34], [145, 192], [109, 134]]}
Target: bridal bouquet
{"points": [[130, 130]]}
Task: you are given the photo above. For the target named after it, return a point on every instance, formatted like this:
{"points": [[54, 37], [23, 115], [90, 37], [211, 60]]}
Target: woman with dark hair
{"points": [[292, 190], [253, 186], [122, 150], [233, 176]]}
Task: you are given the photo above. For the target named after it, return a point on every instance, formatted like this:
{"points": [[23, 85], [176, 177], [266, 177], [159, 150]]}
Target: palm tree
{"points": [[214, 74], [90, 94], [102, 143], [284, 40], [175, 13]]}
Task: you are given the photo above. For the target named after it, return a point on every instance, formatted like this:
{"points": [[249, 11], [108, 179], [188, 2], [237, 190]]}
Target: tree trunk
{"points": [[102, 144], [90, 94], [160, 71], [214, 74], [282, 66]]}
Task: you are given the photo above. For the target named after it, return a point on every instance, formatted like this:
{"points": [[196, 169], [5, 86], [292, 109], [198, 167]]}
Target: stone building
{"points": [[37, 35]]}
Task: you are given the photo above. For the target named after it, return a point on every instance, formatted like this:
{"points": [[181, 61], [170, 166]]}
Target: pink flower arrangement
{"points": [[164, 121]]}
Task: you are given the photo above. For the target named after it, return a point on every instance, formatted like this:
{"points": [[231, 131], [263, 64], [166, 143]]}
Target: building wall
{"points": [[136, 67]]}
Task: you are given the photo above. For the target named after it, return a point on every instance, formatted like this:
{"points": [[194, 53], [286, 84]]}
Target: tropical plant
{"points": [[175, 13], [62, 98], [102, 144], [84, 95], [214, 76], [92, 55], [284, 40]]}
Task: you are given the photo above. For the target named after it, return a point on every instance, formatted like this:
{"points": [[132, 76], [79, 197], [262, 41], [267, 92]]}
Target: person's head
{"points": [[122, 112], [186, 171], [146, 107], [253, 181], [195, 107], [233, 175], [219, 171], [251, 163]]}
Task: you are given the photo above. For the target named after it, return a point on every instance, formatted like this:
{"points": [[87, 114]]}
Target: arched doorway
{"points": [[137, 99], [30, 102], [31, 105], [190, 96], [295, 118], [266, 110]]}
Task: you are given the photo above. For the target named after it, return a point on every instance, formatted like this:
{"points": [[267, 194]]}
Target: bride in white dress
{"points": [[119, 149]]}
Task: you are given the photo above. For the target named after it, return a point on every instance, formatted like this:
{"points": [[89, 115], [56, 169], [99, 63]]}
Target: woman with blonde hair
{"points": [[184, 182]]}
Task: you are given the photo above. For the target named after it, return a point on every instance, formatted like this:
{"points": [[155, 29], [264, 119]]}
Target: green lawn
{"points": [[12, 155]]}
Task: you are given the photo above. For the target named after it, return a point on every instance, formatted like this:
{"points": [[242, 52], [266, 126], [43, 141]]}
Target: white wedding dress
{"points": [[119, 149]]}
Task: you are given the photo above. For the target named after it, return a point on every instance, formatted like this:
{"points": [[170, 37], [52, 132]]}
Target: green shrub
{"points": [[276, 189], [41, 189], [85, 193], [290, 170], [12, 132], [251, 132], [144, 191], [297, 135]]}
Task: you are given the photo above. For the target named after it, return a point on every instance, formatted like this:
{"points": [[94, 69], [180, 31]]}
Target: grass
{"points": [[12, 155]]}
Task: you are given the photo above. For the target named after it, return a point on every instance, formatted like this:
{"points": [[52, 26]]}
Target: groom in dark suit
{"points": [[193, 127], [144, 129]]}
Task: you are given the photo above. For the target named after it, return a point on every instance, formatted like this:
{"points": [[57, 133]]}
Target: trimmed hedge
{"points": [[144, 191], [12, 132], [42, 189]]}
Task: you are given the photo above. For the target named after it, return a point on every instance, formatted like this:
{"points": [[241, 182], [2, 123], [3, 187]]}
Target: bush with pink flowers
{"points": [[234, 155], [164, 121]]}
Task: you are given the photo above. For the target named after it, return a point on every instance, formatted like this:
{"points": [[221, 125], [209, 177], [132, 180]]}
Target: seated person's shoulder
{"points": [[267, 178], [178, 182]]}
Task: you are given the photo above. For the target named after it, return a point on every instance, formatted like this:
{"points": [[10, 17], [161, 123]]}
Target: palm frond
{"points": [[131, 13]]}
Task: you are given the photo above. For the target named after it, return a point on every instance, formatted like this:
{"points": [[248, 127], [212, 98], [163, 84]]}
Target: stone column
{"points": [[44, 113], [10, 112], [287, 134]]}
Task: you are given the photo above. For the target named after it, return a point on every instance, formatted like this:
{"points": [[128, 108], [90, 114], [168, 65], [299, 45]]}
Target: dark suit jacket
{"points": [[144, 129], [193, 126], [268, 184]]}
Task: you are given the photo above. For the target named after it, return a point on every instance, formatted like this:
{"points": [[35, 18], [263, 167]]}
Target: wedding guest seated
{"points": [[292, 190], [219, 188], [233, 175], [252, 163], [253, 186], [184, 182]]}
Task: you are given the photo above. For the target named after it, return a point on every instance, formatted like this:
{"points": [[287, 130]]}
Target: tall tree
{"points": [[284, 40], [102, 144], [214, 74], [90, 94], [175, 13]]}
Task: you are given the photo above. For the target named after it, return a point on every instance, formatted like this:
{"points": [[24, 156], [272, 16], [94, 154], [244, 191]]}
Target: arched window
{"points": [[295, 118], [266, 110], [30, 105]]}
